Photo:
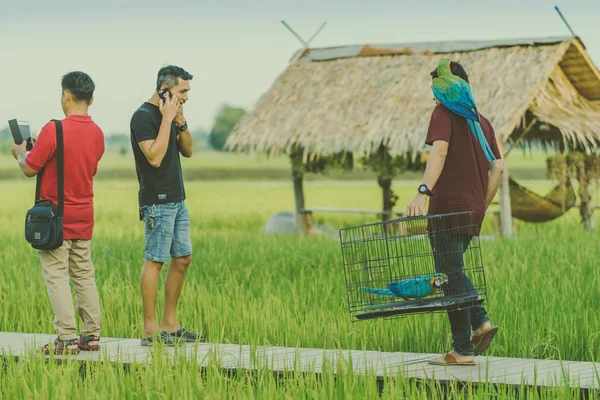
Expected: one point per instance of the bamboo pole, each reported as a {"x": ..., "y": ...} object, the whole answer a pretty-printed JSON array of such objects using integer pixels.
[{"x": 521, "y": 136}]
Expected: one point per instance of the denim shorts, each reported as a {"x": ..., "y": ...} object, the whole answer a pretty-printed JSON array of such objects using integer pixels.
[{"x": 167, "y": 231}]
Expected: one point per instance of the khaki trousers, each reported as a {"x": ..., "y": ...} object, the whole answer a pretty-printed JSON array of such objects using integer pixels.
[{"x": 72, "y": 260}]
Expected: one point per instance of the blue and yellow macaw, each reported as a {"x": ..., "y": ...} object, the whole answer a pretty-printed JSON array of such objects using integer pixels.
[
  {"x": 455, "y": 93},
  {"x": 412, "y": 288}
]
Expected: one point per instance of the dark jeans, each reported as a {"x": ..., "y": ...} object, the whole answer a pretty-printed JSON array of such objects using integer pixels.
[{"x": 448, "y": 251}]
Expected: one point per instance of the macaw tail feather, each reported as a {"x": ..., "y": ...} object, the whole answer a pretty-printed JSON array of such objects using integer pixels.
[
  {"x": 381, "y": 292},
  {"x": 476, "y": 129}
]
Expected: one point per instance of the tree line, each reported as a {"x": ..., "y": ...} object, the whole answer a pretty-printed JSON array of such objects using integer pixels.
[{"x": 225, "y": 120}]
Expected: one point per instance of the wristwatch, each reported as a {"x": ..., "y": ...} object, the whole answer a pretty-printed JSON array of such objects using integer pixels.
[
  {"x": 423, "y": 189},
  {"x": 182, "y": 127}
]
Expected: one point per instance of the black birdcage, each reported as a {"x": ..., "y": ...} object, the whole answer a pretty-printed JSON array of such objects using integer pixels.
[{"x": 398, "y": 259}]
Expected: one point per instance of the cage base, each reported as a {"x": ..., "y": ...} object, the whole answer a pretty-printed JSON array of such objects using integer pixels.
[{"x": 414, "y": 307}]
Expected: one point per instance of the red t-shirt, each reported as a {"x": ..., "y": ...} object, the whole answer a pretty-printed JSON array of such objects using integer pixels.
[
  {"x": 462, "y": 185},
  {"x": 83, "y": 147}
]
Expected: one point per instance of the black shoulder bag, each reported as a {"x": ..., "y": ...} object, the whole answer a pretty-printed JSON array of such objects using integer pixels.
[{"x": 44, "y": 221}]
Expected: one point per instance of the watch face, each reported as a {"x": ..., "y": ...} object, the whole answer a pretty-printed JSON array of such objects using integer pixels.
[{"x": 422, "y": 189}]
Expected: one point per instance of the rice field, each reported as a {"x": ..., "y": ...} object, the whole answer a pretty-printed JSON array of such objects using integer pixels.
[
  {"x": 244, "y": 287},
  {"x": 210, "y": 165}
]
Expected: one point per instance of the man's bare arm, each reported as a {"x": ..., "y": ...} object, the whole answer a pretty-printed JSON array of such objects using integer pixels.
[
  {"x": 155, "y": 149},
  {"x": 27, "y": 170},
  {"x": 19, "y": 152},
  {"x": 435, "y": 163},
  {"x": 496, "y": 168},
  {"x": 184, "y": 138},
  {"x": 184, "y": 143}
]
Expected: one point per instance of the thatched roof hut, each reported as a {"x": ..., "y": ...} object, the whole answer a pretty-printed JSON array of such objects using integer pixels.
[{"x": 357, "y": 98}]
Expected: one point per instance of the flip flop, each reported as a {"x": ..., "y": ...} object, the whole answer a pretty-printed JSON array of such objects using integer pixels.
[
  {"x": 187, "y": 336},
  {"x": 449, "y": 359},
  {"x": 163, "y": 337},
  {"x": 482, "y": 342}
]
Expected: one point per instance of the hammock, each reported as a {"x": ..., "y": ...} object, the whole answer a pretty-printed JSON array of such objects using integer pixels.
[{"x": 531, "y": 207}]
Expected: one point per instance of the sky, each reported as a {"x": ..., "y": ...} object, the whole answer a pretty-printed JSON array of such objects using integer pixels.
[{"x": 234, "y": 48}]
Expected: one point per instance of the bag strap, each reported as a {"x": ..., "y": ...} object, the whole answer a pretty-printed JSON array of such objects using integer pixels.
[
  {"x": 60, "y": 166},
  {"x": 59, "y": 170},
  {"x": 38, "y": 183}
]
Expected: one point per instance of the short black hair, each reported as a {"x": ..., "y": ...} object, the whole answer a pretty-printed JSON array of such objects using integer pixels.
[
  {"x": 79, "y": 84},
  {"x": 170, "y": 76},
  {"x": 456, "y": 69}
]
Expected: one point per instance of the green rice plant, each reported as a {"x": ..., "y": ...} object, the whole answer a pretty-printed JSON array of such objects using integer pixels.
[{"x": 247, "y": 288}]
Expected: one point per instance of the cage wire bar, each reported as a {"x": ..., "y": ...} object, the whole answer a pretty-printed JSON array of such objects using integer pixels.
[{"x": 412, "y": 265}]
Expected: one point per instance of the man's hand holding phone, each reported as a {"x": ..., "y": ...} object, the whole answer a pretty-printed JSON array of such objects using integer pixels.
[
  {"x": 170, "y": 107},
  {"x": 19, "y": 150},
  {"x": 179, "y": 118}
]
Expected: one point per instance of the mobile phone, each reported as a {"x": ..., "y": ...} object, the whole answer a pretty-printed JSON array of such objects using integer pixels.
[
  {"x": 21, "y": 132},
  {"x": 162, "y": 93}
]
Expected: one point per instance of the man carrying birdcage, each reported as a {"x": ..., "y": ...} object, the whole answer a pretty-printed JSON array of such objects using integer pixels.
[{"x": 462, "y": 175}]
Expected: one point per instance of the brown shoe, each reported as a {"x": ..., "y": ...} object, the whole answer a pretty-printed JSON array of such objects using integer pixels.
[
  {"x": 449, "y": 359},
  {"x": 89, "y": 343},
  {"x": 482, "y": 342},
  {"x": 62, "y": 347}
]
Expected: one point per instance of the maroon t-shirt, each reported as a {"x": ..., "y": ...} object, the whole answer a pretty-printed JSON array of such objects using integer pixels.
[{"x": 462, "y": 185}]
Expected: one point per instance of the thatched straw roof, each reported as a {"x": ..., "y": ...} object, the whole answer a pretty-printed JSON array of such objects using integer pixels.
[{"x": 356, "y": 97}]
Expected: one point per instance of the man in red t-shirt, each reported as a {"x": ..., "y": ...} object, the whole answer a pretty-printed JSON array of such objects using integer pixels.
[
  {"x": 83, "y": 147},
  {"x": 459, "y": 178}
]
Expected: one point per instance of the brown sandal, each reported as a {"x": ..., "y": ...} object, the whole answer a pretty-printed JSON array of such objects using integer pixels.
[
  {"x": 482, "y": 342},
  {"x": 89, "y": 343},
  {"x": 449, "y": 359},
  {"x": 62, "y": 347}
]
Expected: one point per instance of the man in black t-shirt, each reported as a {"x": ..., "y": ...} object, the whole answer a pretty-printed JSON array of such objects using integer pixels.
[{"x": 158, "y": 135}]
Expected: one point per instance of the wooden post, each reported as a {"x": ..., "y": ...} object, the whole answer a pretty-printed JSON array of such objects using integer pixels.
[
  {"x": 585, "y": 210},
  {"x": 388, "y": 201},
  {"x": 507, "y": 224},
  {"x": 506, "y": 220},
  {"x": 301, "y": 217},
  {"x": 497, "y": 227},
  {"x": 587, "y": 214}
]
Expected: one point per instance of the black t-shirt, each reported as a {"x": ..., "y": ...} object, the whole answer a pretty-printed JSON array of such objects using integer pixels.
[{"x": 165, "y": 183}]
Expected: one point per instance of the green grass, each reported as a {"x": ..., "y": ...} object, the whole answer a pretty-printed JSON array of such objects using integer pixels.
[{"x": 246, "y": 288}]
